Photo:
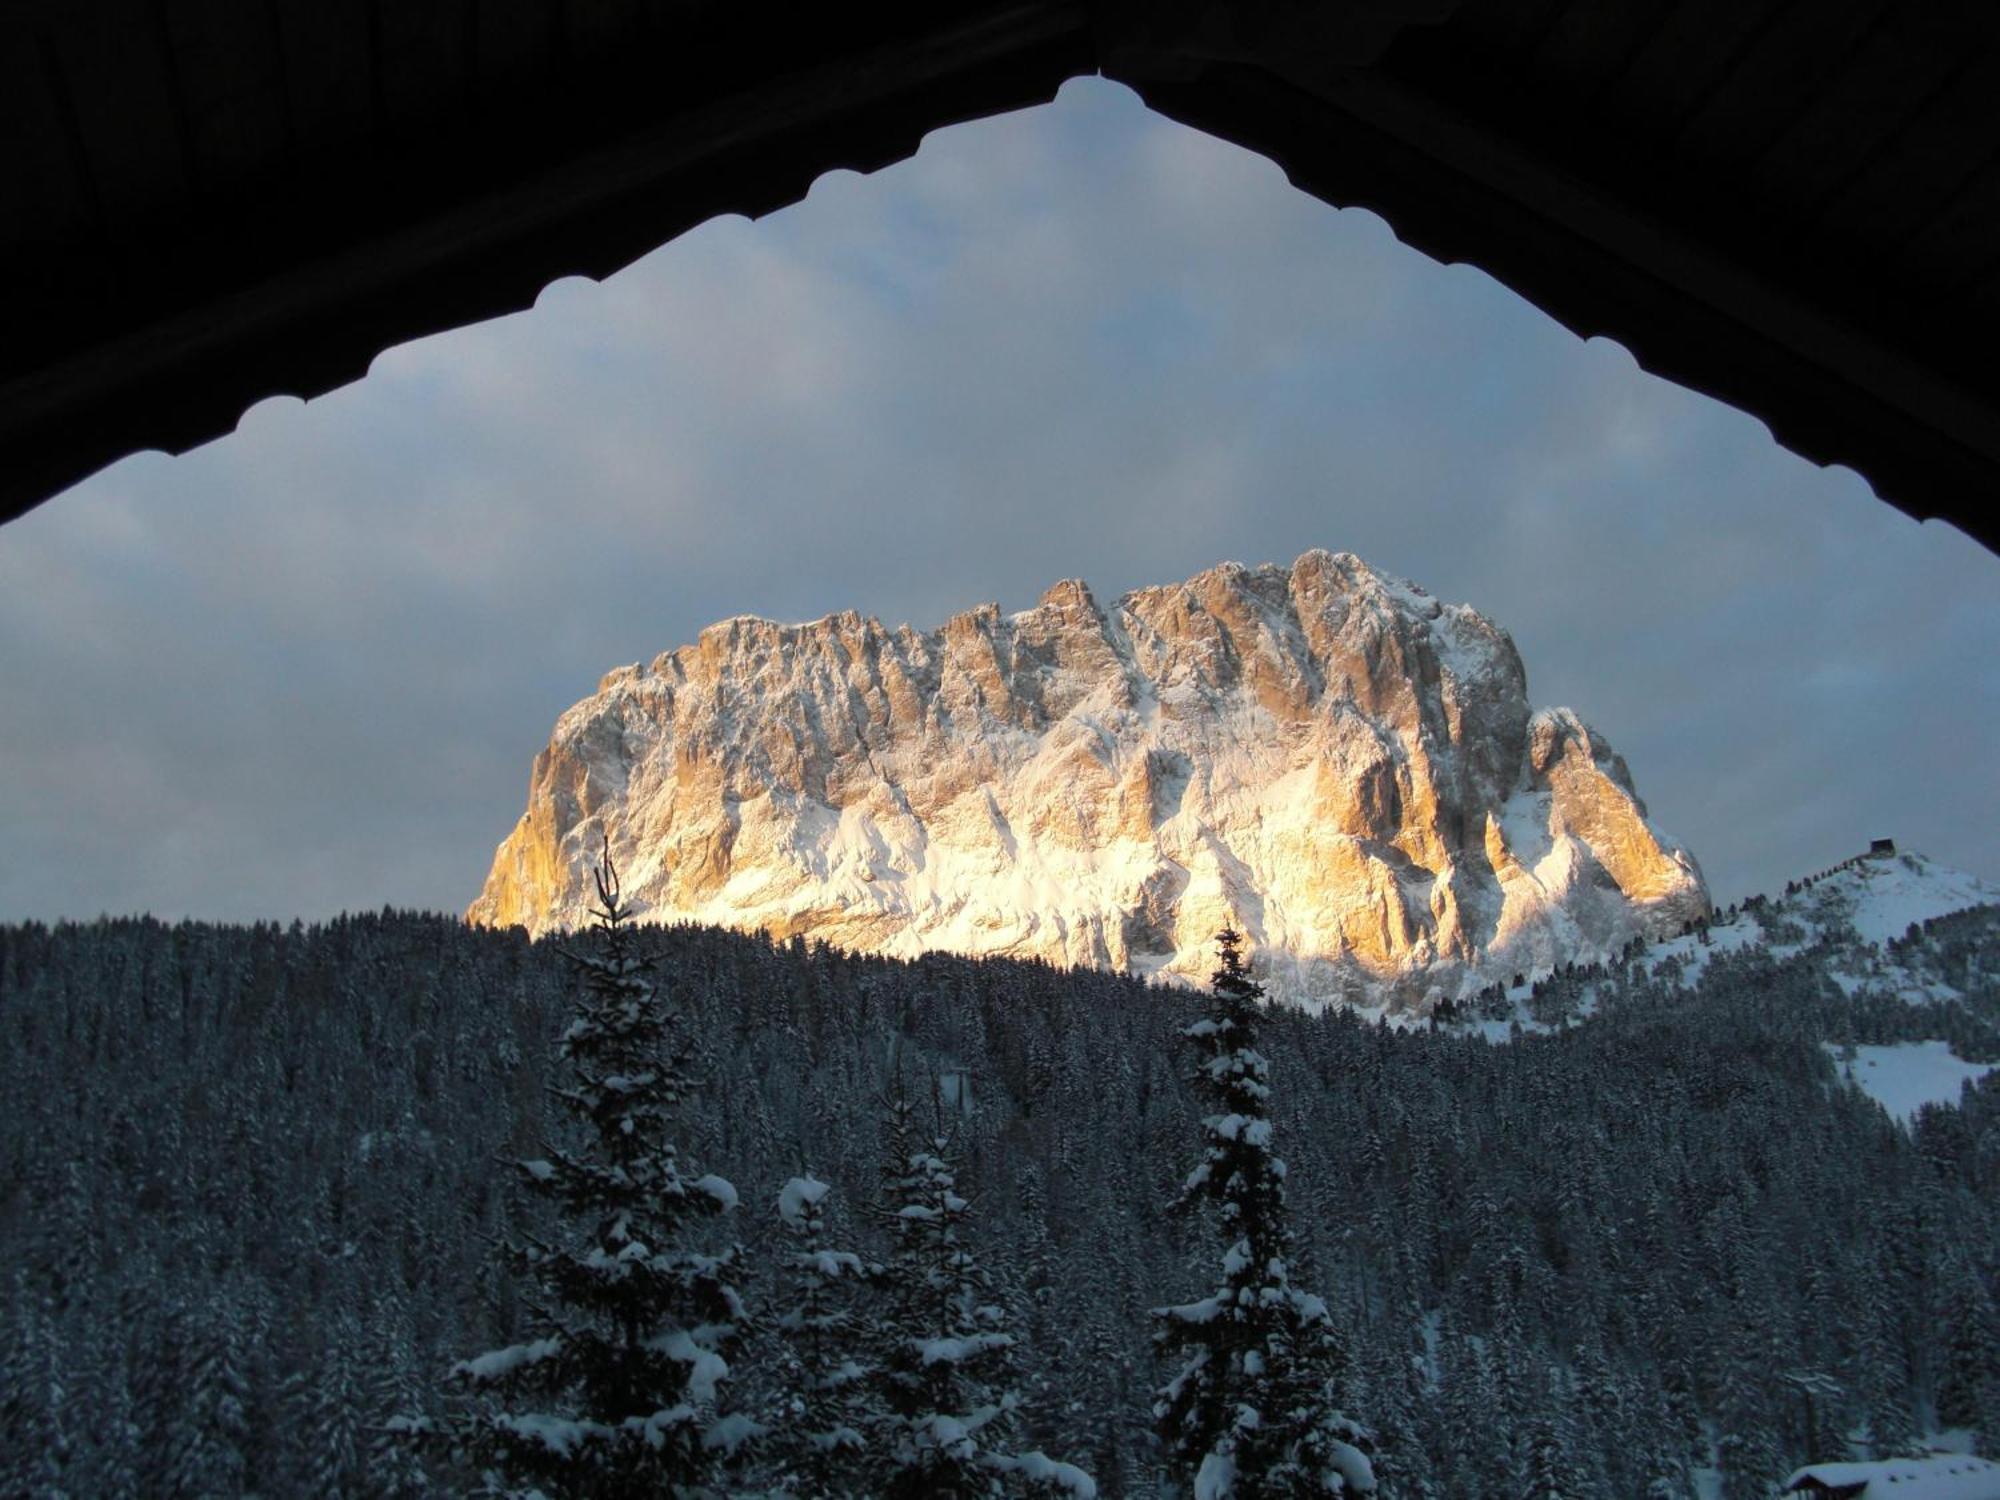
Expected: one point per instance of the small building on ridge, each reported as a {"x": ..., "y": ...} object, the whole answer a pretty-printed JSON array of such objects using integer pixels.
[{"x": 1951, "y": 1476}]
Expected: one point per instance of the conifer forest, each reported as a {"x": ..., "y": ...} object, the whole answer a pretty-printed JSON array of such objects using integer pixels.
[{"x": 394, "y": 1206}]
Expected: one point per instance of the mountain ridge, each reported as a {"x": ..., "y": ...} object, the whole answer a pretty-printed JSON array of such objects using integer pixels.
[
  {"x": 1863, "y": 926},
  {"x": 1325, "y": 756}
]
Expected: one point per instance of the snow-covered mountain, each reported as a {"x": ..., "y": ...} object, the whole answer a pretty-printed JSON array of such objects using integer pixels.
[
  {"x": 1880, "y": 925},
  {"x": 1902, "y": 953},
  {"x": 1328, "y": 758},
  {"x": 1854, "y": 917}
]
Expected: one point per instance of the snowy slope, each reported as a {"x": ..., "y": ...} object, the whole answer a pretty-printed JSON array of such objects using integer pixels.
[
  {"x": 1851, "y": 925},
  {"x": 1877, "y": 897},
  {"x": 1856, "y": 909},
  {"x": 1905, "y": 1077}
]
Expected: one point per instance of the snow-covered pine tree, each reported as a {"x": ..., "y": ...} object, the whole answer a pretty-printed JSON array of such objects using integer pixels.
[
  {"x": 942, "y": 1360},
  {"x": 1968, "y": 1376},
  {"x": 1250, "y": 1414},
  {"x": 392, "y": 1402},
  {"x": 196, "y": 1438},
  {"x": 817, "y": 1443},
  {"x": 322, "y": 1405},
  {"x": 34, "y": 1404},
  {"x": 632, "y": 1317},
  {"x": 1547, "y": 1463},
  {"x": 1550, "y": 1460}
]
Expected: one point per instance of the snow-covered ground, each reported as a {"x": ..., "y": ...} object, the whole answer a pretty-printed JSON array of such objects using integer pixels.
[
  {"x": 1882, "y": 897},
  {"x": 1696, "y": 950},
  {"x": 1906, "y": 1077}
]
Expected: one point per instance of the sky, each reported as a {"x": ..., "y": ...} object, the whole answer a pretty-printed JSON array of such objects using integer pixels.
[{"x": 305, "y": 668}]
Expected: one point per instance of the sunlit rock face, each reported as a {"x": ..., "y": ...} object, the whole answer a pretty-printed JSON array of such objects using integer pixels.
[{"x": 1329, "y": 759}]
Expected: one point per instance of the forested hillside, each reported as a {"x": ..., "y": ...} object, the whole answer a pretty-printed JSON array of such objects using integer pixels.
[{"x": 252, "y": 1181}]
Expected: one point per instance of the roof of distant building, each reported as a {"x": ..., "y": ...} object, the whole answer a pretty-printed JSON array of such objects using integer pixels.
[{"x": 1948, "y": 1477}]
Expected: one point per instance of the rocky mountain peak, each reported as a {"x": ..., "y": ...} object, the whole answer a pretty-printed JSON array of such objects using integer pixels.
[{"x": 1331, "y": 759}]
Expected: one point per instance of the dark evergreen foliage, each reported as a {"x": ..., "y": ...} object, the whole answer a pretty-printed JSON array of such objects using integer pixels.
[
  {"x": 817, "y": 1444},
  {"x": 943, "y": 1372},
  {"x": 1250, "y": 1411},
  {"x": 942, "y": 1349},
  {"x": 269, "y": 1153},
  {"x": 630, "y": 1315}
]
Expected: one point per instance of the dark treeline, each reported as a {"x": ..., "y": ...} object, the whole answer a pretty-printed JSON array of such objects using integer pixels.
[{"x": 251, "y": 1186}]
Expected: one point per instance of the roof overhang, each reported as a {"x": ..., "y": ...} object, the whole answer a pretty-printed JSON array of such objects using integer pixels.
[{"x": 1794, "y": 209}]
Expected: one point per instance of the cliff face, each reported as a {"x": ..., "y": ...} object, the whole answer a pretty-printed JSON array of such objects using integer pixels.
[{"x": 1331, "y": 760}]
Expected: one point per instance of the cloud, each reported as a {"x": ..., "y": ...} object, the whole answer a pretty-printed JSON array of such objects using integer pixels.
[{"x": 306, "y": 667}]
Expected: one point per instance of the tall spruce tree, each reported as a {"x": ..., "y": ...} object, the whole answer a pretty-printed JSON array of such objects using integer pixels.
[
  {"x": 632, "y": 1316},
  {"x": 817, "y": 1446},
  {"x": 1251, "y": 1413},
  {"x": 1968, "y": 1375},
  {"x": 943, "y": 1366}
]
